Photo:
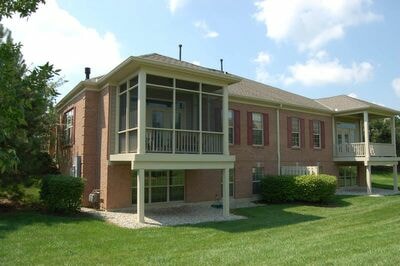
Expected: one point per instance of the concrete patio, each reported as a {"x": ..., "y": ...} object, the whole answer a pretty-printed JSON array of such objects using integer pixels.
[
  {"x": 170, "y": 214},
  {"x": 362, "y": 191}
]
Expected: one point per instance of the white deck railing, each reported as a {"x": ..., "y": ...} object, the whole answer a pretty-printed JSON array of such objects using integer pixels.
[
  {"x": 160, "y": 140},
  {"x": 358, "y": 150},
  {"x": 299, "y": 170},
  {"x": 212, "y": 143}
]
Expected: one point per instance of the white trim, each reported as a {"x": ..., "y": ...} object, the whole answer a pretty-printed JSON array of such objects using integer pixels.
[
  {"x": 366, "y": 136},
  {"x": 225, "y": 192},
  {"x": 141, "y": 141},
  {"x": 278, "y": 140}
]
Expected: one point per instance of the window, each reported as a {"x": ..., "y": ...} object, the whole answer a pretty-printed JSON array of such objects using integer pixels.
[
  {"x": 68, "y": 121},
  {"x": 128, "y": 115},
  {"x": 295, "y": 132},
  {"x": 160, "y": 186},
  {"x": 347, "y": 176},
  {"x": 316, "y": 134},
  {"x": 258, "y": 133},
  {"x": 257, "y": 174},
  {"x": 231, "y": 183},
  {"x": 231, "y": 126}
]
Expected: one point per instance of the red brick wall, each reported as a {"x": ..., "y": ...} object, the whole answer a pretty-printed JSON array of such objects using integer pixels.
[{"x": 202, "y": 185}]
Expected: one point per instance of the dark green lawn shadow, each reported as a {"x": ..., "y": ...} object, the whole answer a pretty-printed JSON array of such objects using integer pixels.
[
  {"x": 270, "y": 216},
  {"x": 14, "y": 220}
]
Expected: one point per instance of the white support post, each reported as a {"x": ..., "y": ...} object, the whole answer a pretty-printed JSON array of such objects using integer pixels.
[
  {"x": 366, "y": 137},
  {"x": 395, "y": 179},
  {"x": 278, "y": 140},
  {"x": 140, "y": 195},
  {"x": 394, "y": 135},
  {"x": 225, "y": 191},
  {"x": 141, "y": 113},
  {"x": 334, "y": 136},
  {"x": 369, "y": 183},
  {"x": 225, "y": 122}
]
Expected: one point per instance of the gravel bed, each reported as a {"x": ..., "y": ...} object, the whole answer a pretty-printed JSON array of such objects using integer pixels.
[
  {"x": 164, "y": 216},
  {"x": 360, "y": 191}
]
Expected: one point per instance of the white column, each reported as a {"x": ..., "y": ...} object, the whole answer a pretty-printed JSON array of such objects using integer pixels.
[
  {"x": 334, "y": 136},
  {"x": 278, "y": 140},
  {"x": 225, "y": 191},
  {"x": 368, "y": 175},
  {"x": 142, "y": 113},
  {"x": 366, "y": 136},
  {"x": 395, "y": 179},
  {"x": 225, "y": 122},
  {"x": 140, "y": 195},
  {"x": 394, "y": 135}
]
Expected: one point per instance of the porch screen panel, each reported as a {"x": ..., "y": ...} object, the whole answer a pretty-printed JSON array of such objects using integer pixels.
[{"x": 212, "y": 113}]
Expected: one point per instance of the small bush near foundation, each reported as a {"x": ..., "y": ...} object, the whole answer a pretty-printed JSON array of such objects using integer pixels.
[
  {"x": 61, "y": 194},
  {"x": 306, "y": 188}
]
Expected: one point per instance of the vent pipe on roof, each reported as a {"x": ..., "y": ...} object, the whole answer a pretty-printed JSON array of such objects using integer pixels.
[
  {"x": 180, "y": 52},
  {"x": 87, "y": 72},
  {"x": 222, "y": 64}
]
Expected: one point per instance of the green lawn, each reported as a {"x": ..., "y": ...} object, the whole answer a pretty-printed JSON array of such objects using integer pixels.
[
  {"x": 382, "y": 179},
  {"x": 359, "y": 230}
]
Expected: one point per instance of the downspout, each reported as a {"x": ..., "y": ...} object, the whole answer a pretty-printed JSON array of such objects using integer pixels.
[{"x": 278, "y": 138}]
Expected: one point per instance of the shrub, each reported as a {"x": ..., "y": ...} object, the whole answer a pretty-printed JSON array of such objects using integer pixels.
[
  {"x": 307, "y": 188},
  {"x": 315, "y": 188},
  {"x": 61, "y": 194}
]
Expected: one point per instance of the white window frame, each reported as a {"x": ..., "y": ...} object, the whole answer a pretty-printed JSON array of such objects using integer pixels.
[
  {"x": 68, "y": 118},
  {"x": 231, "y": 126},
  {"x": 255, "y": 176},
  {"x": 256, "y": 129},
  {"x": 127, "y": 129},
  {"x": 294, "y": 133},
  {"x": 316, "y": 126}
]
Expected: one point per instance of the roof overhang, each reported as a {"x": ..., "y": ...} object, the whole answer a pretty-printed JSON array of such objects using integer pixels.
[{"x": 132, "y": 64}]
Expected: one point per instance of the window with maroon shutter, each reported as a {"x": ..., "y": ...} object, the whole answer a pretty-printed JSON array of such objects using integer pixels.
[
  {"x": 289, "y": 132},
  {"x": 302, "y": 134},
  {"x": 236, "y": 125},
  {"x": 266, "y": 129}
]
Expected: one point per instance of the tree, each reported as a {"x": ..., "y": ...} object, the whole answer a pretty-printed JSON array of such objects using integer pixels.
[
  {"x": 27, "y": 98},
  {"x": 23, "y": 7},
  {"x": 381, "y": 131}
]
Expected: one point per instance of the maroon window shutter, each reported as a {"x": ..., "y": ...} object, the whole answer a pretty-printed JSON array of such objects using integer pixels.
[
  {"x": 249, "y": 128},
  {"x": 266, "y": 129},
  {"x": 289, "y": 132},
  {"x": 302, "y": 130},
  {"x": 322, "y": 134},
  {"x": 236, "y": 127},
  {"x": 311, "y": 128}
]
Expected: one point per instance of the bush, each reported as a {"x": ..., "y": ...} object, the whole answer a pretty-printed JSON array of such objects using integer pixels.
[
  {"x": 61, "y": 194},
  {"x": 306, "y": 188}
]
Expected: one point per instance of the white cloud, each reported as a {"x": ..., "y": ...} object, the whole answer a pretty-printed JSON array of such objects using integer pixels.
[
  {"x": 206, "y": 31},
  {"x": 262, "y": 74},
  {"x": 263, "y": 58},
  {"x": 396, "y": 86},
  {"x": 312, "y": 23},
  {"x": 326, "y": 71},
  {"x": 197, "y": 63},
  {"x": 52, "y": 34},
  {"x": 353, "y": 95},
  {"x": 173, "y": 5}
]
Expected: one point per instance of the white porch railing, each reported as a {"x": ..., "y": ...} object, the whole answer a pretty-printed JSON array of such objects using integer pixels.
[
  {"x": 160, "y": 140},
  {"x": 299, "y": 170},
  {"x": 212, "y": 143},
  {"x": 358, "y": 150},
  {"x": 187, "y": 142}
]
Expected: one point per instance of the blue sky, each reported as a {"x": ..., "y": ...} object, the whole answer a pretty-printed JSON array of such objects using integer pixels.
[{"x": 310, "y": 47}]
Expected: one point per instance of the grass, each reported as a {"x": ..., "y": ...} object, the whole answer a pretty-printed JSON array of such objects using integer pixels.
[
  {"x": 354, "y": 231},
  {"x": 359, "y": 230},
  {"x": 382, "y": 179}
]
